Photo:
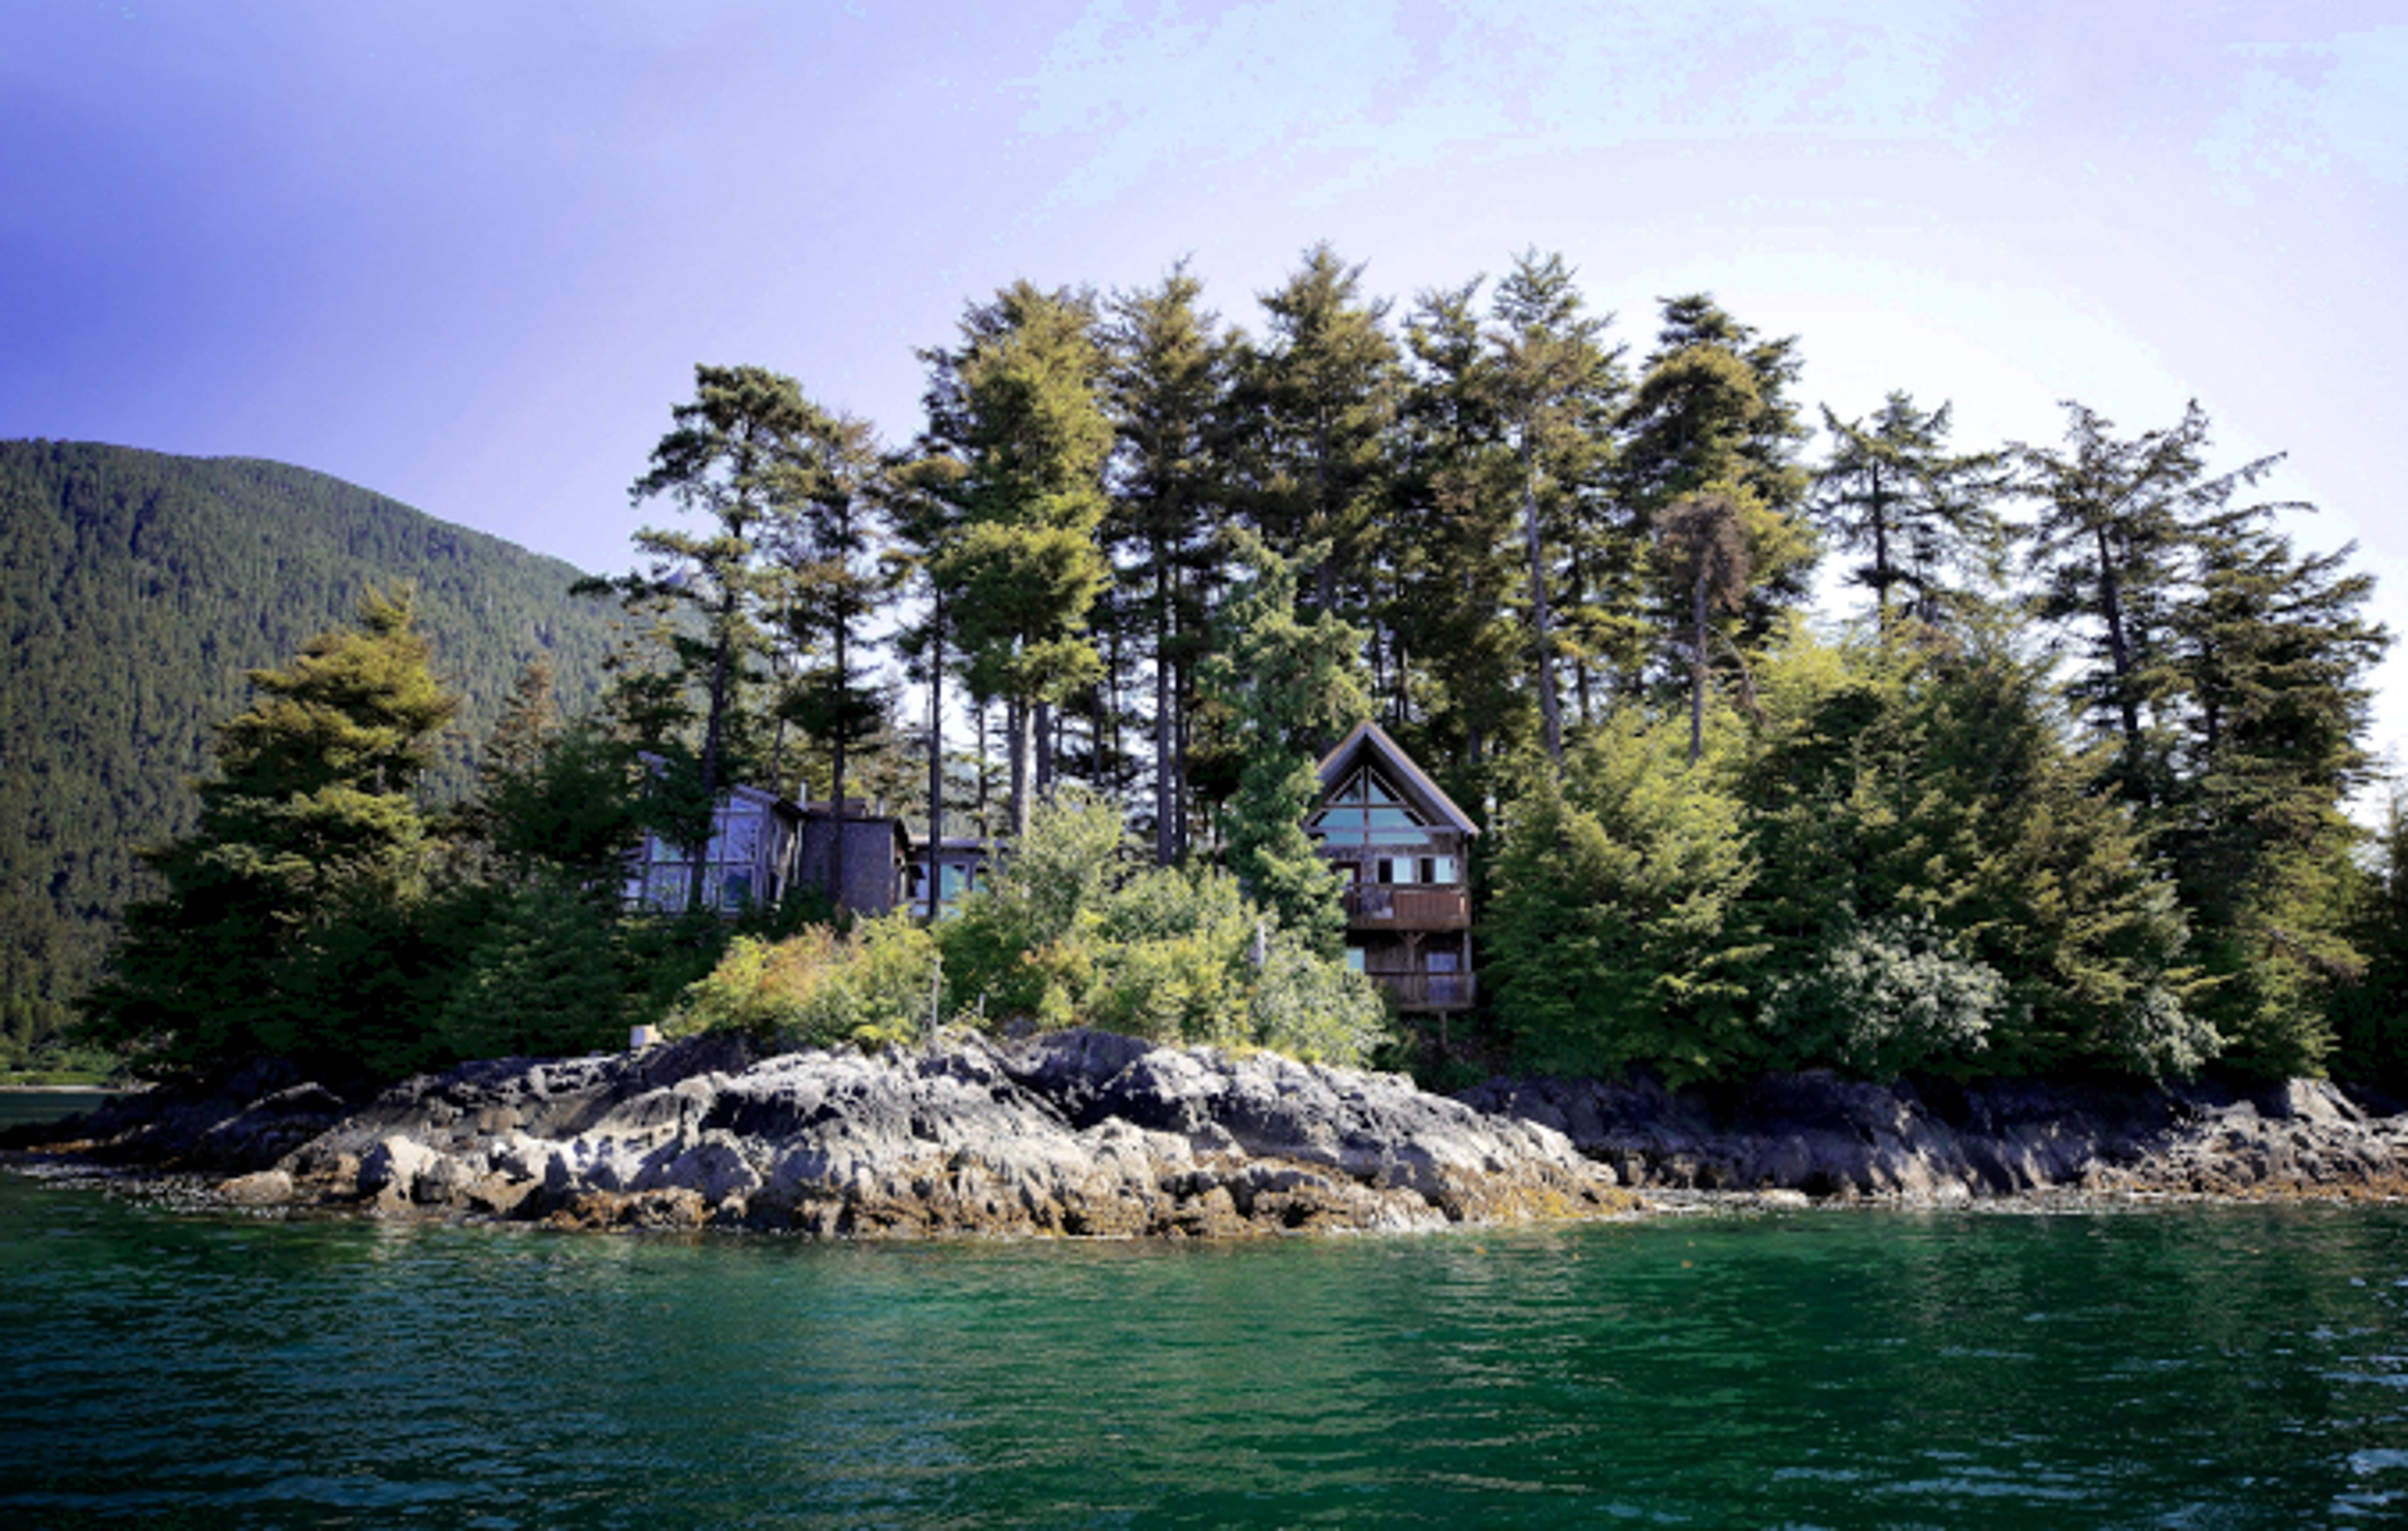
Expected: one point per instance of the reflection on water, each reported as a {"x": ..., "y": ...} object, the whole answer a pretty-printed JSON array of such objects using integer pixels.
[
  {"x": 2225, "y": 1367},
  {"x": 18, "y": 1106}
]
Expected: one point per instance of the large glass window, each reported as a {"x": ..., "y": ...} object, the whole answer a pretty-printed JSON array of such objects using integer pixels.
[{"x": 1367, "y": 812}]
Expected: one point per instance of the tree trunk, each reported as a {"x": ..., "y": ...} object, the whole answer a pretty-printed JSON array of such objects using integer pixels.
[
  {"x": 713, "y": 724},
  {"x": 1881, "y": 559},
  {"x": 936, "y": 753},
  {"x": 835, "y": 794},
  {"x": 1551, "y": 716},
  {"x": 1697, "y": 671},
  {"x": 1045, "y": 729},
  {"x": 1019, "y": 735},
  {"x": 1165, "y": 838},
  {"x": 1184, "y": 796},
  {"x": 2119, "y": 650}
]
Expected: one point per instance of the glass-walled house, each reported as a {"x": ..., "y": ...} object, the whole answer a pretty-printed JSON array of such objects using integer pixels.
[
  {"x": 764, "y": 847},
  {"x": 749, "y": 860},
  {"x": 1400, "y": 843}
]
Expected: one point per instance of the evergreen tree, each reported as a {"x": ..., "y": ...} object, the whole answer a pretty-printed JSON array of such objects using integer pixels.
[
  {"x": 1918, "y": 512},
  {"x": 311, "y": 853},
  {"x": 1701, "y": 541},
  {"x": 1313, "y": 404},
  {"x": 1288, "y": 686},
  {"x": 1557, "y": 383},
  {"x": 1166, "y": 381},
  {"x": 1611, "y": 937},
  {"x": 1016, "y": 407},
  {"x": 541, "y": 976},
  {"x": 923, "y": 510},
  {"x": 2108, "y": 548},
  {"x": 2371, "y": 1012},
  {"x": 1712, "y": 414},
  {"x": 1917, "y": 820},
  {"x": 733, "y": 454},
  {"x": 823, "y": 546},
  {"x": 570, "y": 810},
  {"x": 2270, "y": 653},
  {"x": 1457, "y": 653}
]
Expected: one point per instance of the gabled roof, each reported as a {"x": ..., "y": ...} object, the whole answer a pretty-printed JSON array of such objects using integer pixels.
[{"x": 1371, "y": 742}]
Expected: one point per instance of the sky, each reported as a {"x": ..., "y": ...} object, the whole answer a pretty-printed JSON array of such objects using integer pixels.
[{"x": 467, "y": 255}]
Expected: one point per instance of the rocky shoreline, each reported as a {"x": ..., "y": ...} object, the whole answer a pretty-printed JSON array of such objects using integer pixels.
[
  {"x": 1072, "y": 1133},
  {"x": 1084, "y": 1132},
  {"x": 1936, "y": 1142}
]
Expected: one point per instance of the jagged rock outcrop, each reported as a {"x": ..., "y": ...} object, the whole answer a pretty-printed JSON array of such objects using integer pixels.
[
  {"x": 1939, "y": 1141},
  {"x": 1084, "y": 1132},
  {"x": 1081, "y": 1133}
]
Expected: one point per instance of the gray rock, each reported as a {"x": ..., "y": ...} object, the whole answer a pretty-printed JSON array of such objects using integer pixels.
[
  {"x": 1072, "y": 1132},
  {"x": 1942, "y": 1142},
  {"x": 261, "y": 1188}
]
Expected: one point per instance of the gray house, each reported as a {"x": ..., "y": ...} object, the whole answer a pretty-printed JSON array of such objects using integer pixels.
[
  {"x": 750, "y": 860},
  {"x": 876, "y": 855},
  {"x": 764, "y": 847}
]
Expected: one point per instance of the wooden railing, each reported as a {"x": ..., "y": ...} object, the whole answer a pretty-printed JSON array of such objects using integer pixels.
[
  {"x": 1408, "y": 909},
  {"x": 1429, "y": 991}
]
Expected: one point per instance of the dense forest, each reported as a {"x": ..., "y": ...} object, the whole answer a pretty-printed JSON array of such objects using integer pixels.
[
  {"x": 137, "y": 590},
  {"x": 2059, "y": 790}
]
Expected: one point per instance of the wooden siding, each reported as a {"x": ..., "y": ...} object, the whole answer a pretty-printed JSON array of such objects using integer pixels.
[
  {"x": 1386, "y": 907},
  {"x": 1428, "y": 991}
]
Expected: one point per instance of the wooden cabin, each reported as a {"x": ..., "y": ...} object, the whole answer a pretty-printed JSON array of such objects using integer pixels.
[{"x": 1401, "y": 845}]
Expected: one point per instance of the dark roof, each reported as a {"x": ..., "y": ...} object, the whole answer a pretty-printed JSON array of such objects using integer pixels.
[{"x": 1372, "y": 740}]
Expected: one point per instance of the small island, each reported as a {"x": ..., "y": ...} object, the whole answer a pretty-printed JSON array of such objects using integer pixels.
[{"x": 1446, "y": 814}]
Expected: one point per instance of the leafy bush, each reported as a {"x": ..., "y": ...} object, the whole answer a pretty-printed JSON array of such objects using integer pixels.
[
  {"x": 1071, "y": 932},
  {"x": 1888, "y": 995},
  {"x": 1173, "y": 950},
  {"x": 1315, "y": 1009},
  {"x": 816, "y": 987}
]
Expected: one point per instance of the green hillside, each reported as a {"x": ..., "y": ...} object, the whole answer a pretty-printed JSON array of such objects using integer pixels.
[{"x": 135, "y": 589}]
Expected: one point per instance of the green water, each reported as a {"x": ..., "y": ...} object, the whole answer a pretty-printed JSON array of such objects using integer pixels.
[
  {"x": 18, "y": 1106},
  {"x": 2194, "y": 1366}
]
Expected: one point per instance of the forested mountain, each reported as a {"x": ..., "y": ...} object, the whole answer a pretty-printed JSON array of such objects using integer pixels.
[{"x": 136, "y": 590}]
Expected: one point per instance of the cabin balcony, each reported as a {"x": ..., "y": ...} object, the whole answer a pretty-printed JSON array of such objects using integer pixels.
[
  {"x": 1384, "y": 907},
  {"x": 1413, "y": 991}
]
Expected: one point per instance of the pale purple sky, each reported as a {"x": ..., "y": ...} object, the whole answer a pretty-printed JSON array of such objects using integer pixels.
[{"x": 469, "y": 255}]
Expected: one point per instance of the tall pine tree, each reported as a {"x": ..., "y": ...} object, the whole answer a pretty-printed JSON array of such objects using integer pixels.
[{"x": 1016, "y": 406}]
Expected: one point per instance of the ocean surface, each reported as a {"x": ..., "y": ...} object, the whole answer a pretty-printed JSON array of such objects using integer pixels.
[
  {"x": 18, "y": 1106},
  {"x": 2188, "y": 1366}
]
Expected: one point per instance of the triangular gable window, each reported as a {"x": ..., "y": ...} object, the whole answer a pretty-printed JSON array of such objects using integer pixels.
[{"x": 1365, "y": 810}]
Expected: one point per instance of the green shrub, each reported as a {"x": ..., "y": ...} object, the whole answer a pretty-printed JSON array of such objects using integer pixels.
[
  {"x": 545, "y": 978},
  {"x": 1888, "y": 995},
  {"x": 816, "y": 989},
  {"x": 1071, "y": 932},
  {"x": 1311, "y": 1007}
]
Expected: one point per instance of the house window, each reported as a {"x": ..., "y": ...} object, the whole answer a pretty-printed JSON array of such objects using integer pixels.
[
  {"x": 1441, "y": 962},
  {"x": 1367, "y": 813},
  {"x": 1354, "y": 958}
]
